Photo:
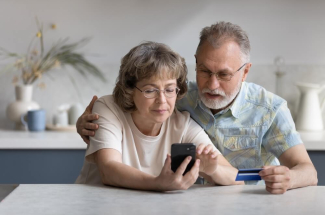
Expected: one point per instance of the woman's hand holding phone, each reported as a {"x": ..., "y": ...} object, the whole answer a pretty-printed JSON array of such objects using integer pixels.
[
  {"x": 169, "y": 180},
  {"x": 208, "y": 158}
]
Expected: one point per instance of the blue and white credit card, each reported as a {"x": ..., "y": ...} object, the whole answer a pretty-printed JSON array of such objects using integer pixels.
[{"x": 248, "y": 175}]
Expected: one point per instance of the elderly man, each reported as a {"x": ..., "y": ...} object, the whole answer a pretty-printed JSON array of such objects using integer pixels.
[{"x": 252, "y": 127}]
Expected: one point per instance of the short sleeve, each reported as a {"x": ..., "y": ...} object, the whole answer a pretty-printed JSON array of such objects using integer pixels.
[
  {"x": 109, "y": 133},
  {"x": 282, "y": 133},
  {"x": 196, "y": 134}
]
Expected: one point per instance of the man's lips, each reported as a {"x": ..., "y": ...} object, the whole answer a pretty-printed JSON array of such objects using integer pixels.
[{"x": 212, "y": 96}]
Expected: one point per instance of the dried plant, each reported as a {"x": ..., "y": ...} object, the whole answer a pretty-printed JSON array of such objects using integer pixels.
[{"x": 35, "y": 63}]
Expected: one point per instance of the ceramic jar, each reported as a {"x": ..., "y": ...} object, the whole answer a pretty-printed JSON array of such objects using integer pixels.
[
  {"x": 22, "y": 104},
  {"x": 74, "y": 113}
]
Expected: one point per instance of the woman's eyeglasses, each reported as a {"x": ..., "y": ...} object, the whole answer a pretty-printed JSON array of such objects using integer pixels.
[{"x": 154, "y": 92}]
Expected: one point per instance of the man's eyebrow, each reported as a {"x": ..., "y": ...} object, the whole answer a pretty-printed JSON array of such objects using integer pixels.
[{"x": 204, "y": 67}]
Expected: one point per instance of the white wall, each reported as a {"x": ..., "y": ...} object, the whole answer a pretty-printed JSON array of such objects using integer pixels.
[{"x": 293, "y": 29}]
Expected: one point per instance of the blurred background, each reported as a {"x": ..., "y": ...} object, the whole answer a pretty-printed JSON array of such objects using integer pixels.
[{"x": 290, "y": 29}]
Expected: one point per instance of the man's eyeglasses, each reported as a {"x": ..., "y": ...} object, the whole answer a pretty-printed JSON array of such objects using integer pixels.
[
  {"x": 154, "y": 92},
  {"x": 223, "y": 76}
]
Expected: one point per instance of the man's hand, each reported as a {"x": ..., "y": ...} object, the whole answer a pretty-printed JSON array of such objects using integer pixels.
[
  {"x": 208, "y": 158},
  {"x": 85, "y": 127},
  {"x": 277, "y": 178}
]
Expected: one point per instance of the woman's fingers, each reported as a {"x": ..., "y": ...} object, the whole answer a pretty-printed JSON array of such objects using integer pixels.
[
  {"x": 208, "y": 149},
  {"x": 214, "y": 154},
  {"x": 191, "y": 176},
  {"x": 200, "y": 148},
  {"x": 167, "y": 164},
  {"x": 181, "y": 169}
]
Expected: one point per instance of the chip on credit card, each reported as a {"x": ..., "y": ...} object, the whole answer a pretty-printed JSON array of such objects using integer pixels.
[{"x": 248, "y": 175}]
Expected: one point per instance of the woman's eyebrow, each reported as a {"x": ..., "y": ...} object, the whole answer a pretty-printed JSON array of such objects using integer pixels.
[{"x": 156, "y": 86}]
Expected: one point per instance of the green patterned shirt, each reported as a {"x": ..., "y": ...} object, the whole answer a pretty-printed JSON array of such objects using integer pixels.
[{"x": 254, "y": 131}]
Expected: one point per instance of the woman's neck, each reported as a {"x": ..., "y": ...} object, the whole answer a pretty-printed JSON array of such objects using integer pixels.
[{"x": 145, "y": 127}]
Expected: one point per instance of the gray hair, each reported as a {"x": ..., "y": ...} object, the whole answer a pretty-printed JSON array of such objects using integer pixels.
[
  {"x": 147, "y": 60},
  {"x": 222, "y": 32}
]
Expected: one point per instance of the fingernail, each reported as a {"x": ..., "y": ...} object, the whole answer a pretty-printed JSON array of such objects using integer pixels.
[{"x": 189, "y": 158}]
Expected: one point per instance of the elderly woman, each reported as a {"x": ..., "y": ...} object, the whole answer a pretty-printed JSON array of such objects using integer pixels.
[{"x": 139, "y": 123}]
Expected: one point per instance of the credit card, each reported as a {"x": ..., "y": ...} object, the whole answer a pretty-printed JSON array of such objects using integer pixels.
[{"x": 248, "y": 175}]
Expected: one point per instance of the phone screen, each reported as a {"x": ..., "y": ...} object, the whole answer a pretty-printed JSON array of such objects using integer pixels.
[{"x": 179, "y": 152}]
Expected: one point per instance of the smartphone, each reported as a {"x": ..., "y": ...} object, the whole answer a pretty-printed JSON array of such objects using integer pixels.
[{"x": 179, "y": 152}]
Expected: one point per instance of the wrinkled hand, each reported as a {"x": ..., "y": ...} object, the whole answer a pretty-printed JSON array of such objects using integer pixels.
[
  {"x": 277, "y": 178},
  {"x": 85, "y": 127},
  {"x": 208, "y": 158},
  {"x": 168, "y": 180}
]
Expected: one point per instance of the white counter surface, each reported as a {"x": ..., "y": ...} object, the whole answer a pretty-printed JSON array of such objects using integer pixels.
[
  {"x": 34, "y": 199},
  {"x": 314, "y": 141},
  {"x": 40, "y": 140}
]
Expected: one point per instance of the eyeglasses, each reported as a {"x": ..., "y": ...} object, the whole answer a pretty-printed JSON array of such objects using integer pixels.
[
  {"x": 154, "y": 92},
  {"x": 223, "y": 76}
]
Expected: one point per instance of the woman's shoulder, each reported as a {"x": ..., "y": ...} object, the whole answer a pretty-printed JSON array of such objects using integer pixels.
[
  {"x": 179, "y": 118},
  {"x": 106, "y": 103}
]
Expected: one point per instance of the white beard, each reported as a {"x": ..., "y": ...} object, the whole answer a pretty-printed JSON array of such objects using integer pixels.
[{"x": 219, "y": 103}]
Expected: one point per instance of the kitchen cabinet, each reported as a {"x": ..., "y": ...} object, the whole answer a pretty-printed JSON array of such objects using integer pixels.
[
  {"x": 41, "y": 157},
  {"x": 57, "y": 157}
]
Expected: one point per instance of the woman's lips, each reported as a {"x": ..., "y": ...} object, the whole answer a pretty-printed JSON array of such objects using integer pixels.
[{"x": 160, "y": 111}]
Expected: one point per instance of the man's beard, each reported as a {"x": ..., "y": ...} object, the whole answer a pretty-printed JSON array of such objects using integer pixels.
[{"x": 219, "y": 103}]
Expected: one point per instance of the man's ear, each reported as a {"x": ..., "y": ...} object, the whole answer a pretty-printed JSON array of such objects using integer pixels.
[{"x": 246, "y": 71}]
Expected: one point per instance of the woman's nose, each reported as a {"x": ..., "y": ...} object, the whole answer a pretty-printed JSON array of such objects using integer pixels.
[{"x": 161, "y": 96}]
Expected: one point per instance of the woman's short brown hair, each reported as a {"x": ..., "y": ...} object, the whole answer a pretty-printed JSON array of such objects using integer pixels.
[{"x": 147, "y": 60}]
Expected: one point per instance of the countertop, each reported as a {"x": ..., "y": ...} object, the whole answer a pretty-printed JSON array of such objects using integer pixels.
[
  {"x": 314, "y": 141},
  {"x": 86, "y": 199},
  {"x": 40, "y": 140}
]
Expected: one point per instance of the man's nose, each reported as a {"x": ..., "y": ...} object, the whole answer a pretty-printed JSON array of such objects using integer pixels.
[{"x": 213, "y": 82}]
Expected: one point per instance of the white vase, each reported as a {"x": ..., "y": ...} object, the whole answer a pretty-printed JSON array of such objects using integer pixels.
[
  {"x": 74, "y": 113},
  {"x": 22, "y": 104}
]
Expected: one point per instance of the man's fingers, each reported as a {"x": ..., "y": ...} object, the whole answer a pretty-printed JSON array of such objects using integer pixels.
[
  {"x": 90, "y": 117},
  {"x": 86, "y": 132},
  {"x": 91, "y": 126},
  {"x": 274, "y": 185},
  {"x": 85, "y": 139},
  {"x": 91, "y": 104},
  {"x": 278, "y": 170},
  {"x": 276, "y": 178},
  {"x": 275, "y": 191}
]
